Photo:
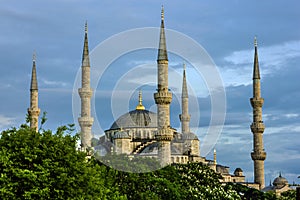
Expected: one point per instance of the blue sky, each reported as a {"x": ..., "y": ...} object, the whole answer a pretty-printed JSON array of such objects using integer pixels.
[{"x": 54, "y": 29}]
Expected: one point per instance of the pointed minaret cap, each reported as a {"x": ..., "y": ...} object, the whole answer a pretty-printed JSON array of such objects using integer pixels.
[
  {"x": 162, "y": 50},
  {"x": 34, "y": 84},
  {"x": 86, "y": 27},
  {"x": 85, "y": 54},
  {"x": 184, "y": 85},
  {"x": 140, "y": 105},
  {"x": 162, "y": 13},
  {"x": 256, "y": 74}
]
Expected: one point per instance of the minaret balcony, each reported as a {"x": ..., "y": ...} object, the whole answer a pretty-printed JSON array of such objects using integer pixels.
[
  {"x": 184, "y": 118},
  {"x": 257, "y": 127},
  {"x": 258, "y": 155},
  {"x": 85, "y": 92},
  {"x": 34, "y": 111},
  {"x": 85, "y": 121},
  {"x": 257, "y": 102},
  {"x": 164, "y": 134},
  {"x": 163, "y": 97},
  {"x": 162, "y": 61}
]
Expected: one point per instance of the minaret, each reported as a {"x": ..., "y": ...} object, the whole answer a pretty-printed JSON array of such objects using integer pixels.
[
  {"x": 163, "y": 99},
  {"x": 185, "y": 116},
  {"x": 215, "y": 156},
  {"x": 257, "y": 127},
  {"x": 33, "y": 110},
  {"x": 85, "y": 93}
]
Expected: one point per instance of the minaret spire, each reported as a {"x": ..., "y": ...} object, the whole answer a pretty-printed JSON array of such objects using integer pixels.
[
  {"x": 257, "y": 127},
  {"x": 185, "y": 116},
  {"x": 33, "y": 110},
  {"x": 256, "y": 74},
  {"x": 85, "y": 93},
  {"x": 163, "y": 99},
  {"x": 162, "y": 50}
]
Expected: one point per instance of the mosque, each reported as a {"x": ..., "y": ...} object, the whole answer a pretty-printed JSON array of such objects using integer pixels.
[{"x": 141, "y": 132}]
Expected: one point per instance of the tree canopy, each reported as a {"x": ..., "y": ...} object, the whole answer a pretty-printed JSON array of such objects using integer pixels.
[{"x": 47, "y": 165}]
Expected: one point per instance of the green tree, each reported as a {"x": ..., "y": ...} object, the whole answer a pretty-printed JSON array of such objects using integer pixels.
[
  {"x": 290, "y": 194},
  {"x": 46, "y": 165},
  {"x": 178, "y": 181}
]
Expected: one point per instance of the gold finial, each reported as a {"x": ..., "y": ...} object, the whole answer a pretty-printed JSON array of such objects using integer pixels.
[
  {"x": 162, "y": 12},
  {"x": 255, "y": 41},
  {"x": 34, "y": 56},
  {"x": 140, "y": 105},
  {"x": 184, "y": 66},
  {"x": 86, "y": 27}
]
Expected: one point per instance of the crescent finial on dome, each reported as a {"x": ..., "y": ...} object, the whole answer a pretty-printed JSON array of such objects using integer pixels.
[{"x": 140, "y": 105}]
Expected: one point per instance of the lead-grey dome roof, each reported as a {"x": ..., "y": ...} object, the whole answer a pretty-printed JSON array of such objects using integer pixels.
[
  {"x": 136, "y": 118},
  {"x": 280, "y": 181}
]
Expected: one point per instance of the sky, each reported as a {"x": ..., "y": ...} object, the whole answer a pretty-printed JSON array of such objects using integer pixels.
[{"x": 219, "y": 37}]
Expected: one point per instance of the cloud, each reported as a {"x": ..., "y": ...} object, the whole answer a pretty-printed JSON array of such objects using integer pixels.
[
  {"x": 58, "y": 84},
  {"x": 237, "y": 68},
  {"x": 6, "y": 121}
]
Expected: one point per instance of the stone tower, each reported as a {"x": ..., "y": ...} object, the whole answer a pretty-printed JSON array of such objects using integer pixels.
[
  {"x": 185, "y": 116},
  {"x": 163, "y": 99},
  {"x": 85, "y": 93},
  {"x": 257, "y": 127},
  {"x": 33, "y": 110}
]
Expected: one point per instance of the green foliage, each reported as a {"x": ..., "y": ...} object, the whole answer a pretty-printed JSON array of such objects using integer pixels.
[
  {"x": 46, "y": 165},
  {"x": 179, "y": 181},
  {"x": 247, "y": 193},
  {"x": 135, "y": 164},
  {"x": 290, "y": 194}
]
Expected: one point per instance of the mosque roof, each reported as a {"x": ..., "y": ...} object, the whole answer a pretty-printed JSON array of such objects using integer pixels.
[
  {"x": 136, "y": 118},
  {"x": 121, "y": 135},
  {"x": 280, "y": 181}
]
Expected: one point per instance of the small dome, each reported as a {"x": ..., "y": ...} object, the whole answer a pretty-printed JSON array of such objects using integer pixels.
[
  {"x": 121, "y": 135},
  {"x": 136, "y": 118},
  {"x": 238, "y": 172},
  {"x": 280, "y": 181}
]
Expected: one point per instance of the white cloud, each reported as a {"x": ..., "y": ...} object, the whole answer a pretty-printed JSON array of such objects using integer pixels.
[
  {"x": 6, "y": 121},
  {"x": 291, "y": 115},
  {"x": 54, "y": 83},
  {"x": 271, "y": 56},
  {"x": 238, "y": 67}
]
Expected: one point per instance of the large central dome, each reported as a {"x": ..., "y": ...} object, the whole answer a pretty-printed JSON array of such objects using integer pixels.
[
  {"x": 136, "y": 118},
  {"x": 140, "y": 117}
]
